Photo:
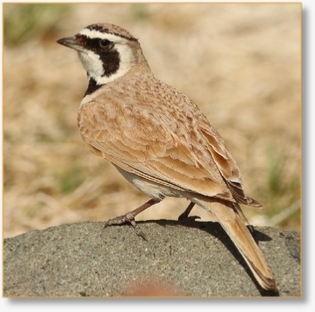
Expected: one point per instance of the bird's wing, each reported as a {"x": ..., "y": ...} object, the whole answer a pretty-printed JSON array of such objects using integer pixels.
[
  {"x": 171, "y": 144},
  {"x": 226, "y": 164}
]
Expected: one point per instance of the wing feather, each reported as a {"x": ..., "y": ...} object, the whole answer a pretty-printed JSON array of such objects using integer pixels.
[{"x": 174, "y": 146}]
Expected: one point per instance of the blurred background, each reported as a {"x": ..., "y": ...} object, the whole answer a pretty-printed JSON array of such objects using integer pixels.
[{"x": 241, "y": 64}]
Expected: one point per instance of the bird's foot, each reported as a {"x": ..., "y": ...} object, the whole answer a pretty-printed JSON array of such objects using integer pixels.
[
  {"x": 185, "y": 215},
  {"x": 130, "y": 218},
  {"x": 127, "y": 218},
  {"x": 184, "y": 218}
]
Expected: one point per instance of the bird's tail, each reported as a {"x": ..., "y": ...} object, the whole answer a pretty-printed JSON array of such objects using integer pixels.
[{"x": 229, "y": 217}]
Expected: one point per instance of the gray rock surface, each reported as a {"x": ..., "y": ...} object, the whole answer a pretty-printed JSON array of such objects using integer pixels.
[{"x": 179, "y": 259}]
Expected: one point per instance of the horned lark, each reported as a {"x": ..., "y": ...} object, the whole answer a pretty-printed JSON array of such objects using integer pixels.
[{"x": 158, "y": 139}]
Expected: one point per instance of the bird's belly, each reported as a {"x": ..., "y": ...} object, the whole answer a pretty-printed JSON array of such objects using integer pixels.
[{"x": 154, "y": 190}]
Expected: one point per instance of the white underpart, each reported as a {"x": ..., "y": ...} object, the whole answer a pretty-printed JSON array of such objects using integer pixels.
[
  {"x": 152, "y": 189},
  {"x": 93, "y": 64}
]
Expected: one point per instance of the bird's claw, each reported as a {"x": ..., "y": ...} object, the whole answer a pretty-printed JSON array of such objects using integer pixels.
[
  {"x": 183, "y": 218},
  {"x": 127, "y": 218}
]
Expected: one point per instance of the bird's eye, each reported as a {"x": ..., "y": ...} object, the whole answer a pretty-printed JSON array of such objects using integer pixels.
[{"x": 105, "y": 43}]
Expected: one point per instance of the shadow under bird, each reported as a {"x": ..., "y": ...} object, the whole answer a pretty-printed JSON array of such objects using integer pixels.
[{"x": 158, "y": 139}]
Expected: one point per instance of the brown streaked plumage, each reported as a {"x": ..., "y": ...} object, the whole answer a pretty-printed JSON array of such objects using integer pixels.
[{"x": 158, "y": 138}]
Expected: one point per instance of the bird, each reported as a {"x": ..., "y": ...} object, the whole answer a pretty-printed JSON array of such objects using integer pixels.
[{"x": 158, "y": 139}]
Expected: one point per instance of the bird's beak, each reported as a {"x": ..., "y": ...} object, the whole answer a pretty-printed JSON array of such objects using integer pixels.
[{"x": 71, "y": 42}]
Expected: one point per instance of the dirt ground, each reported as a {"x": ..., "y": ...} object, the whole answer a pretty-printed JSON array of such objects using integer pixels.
[{"x": 241, "y": 63}]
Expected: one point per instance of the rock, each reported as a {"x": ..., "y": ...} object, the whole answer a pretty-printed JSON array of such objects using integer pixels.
[{"x": 179, "y": 259}]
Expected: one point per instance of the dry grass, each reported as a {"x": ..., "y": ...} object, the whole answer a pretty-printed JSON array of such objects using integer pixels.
[{"x": 239, "y": 62}]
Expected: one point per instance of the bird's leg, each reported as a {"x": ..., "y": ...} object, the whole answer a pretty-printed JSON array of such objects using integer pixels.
[
  {"x": 185, "y": 214},
  {"x": 130, "y": 218}
]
